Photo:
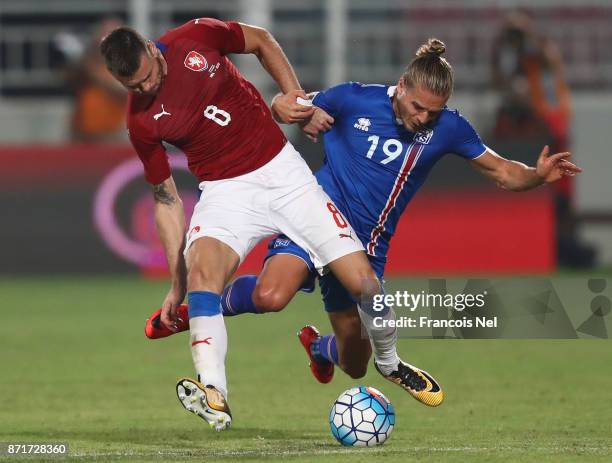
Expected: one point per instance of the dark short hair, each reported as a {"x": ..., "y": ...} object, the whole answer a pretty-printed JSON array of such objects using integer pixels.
[{"x": 122, "y": 49}]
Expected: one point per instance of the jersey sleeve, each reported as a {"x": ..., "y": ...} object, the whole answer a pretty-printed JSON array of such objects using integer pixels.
[
  {"x": 466, "y": 141},
  {"x": 152, "y": 154},
  {"x": 227, "y": 37},
  {"x": 333, "y": 100}
]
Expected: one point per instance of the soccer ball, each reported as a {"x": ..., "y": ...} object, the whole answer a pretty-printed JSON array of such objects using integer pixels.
[{"x": 362, "y": 416}]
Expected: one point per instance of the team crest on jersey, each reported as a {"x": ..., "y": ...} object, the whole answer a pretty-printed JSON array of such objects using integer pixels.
[
  {"x": 363, "y": 123},
  {"x": 423, "y": 136},
  {"x": 195, "y": 61}
]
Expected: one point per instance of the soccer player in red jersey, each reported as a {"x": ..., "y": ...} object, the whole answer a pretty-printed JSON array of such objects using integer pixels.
[{"x": 186, "y": 92}]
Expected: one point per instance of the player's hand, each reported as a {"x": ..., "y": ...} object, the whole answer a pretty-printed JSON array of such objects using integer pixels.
[
  {"x": 169, "y": 316},
  {"x": 319, "y": 122},
  {"x": 552, "y": 167},
  {"x": 287, "y": 110}
]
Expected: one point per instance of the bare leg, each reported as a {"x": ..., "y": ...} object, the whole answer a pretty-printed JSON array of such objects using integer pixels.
[
  {"x": 354, "y": 351},
  {"x": 281, "y": 278},
  {"x": 210, "y": 264},
  {"x": 356, "y": 275}
]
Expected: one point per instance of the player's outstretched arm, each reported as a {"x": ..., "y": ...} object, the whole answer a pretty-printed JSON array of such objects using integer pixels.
[
  {"x": 516, "y": 176},
  {"x": 262, "y": 44},
  {"x": 170, "y": 220}
]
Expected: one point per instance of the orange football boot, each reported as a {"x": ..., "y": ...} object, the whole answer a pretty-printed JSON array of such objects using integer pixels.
[{"x": 155, "y": 329}]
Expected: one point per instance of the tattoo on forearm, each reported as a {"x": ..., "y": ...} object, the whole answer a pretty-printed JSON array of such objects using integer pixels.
[{"x": 161, "y": 195}]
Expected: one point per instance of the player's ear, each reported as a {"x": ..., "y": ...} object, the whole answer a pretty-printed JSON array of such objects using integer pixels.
[{"x": 401, "y": 87}]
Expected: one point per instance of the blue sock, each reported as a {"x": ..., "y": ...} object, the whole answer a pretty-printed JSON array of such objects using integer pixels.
[
  {"x": 237, "y": 297},
  {"x": 324, "y": 349},
  {"x": 203, "y": 304}
]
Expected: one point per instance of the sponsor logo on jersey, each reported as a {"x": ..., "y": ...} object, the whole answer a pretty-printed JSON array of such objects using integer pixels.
[
  {"x": 423, "y": 136},
  {"x": 163, "y": 113},
  {"x": 195, "y": 61},
  {"x": 363, "y": 123}
]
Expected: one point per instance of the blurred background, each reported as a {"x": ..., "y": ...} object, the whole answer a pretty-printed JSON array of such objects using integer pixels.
[
  {"x": 77, "y": 234},
  {"x": 72, "y": 194}
]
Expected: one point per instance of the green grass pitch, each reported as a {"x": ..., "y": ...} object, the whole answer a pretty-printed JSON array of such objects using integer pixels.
[{"x": 77, "y": 368}]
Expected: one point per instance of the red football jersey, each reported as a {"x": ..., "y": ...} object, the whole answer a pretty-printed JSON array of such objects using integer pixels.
[{"x": 204, "y": 107}]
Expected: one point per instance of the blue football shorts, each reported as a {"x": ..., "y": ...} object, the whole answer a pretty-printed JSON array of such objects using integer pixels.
[{"x": 335, "y": 297}]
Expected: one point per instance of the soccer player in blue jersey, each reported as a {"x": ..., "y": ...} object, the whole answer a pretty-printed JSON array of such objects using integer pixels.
[{"x": 381, "y": 142}]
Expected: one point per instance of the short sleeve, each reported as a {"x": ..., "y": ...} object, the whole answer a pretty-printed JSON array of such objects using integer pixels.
[
  {"x": 227, "y": 37},
  {"x": 153, "y": 156},
  {"x": 466, "y": 141},
  {"x": 333, "y": 100}
]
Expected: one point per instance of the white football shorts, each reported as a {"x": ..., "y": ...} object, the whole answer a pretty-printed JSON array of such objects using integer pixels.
[{"x": 282, "y": 196}]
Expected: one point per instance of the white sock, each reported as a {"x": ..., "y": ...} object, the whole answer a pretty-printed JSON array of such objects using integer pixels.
[
  {"x": 383, "y": 340},
  {"x": 208, "y": 342}
]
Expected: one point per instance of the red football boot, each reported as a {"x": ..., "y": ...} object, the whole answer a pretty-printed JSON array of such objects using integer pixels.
[
  {"x": 322, "y": 371},
  {"x": 155, "y": 329}
]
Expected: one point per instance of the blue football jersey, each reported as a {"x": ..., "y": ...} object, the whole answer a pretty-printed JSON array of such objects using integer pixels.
[{"x": 374, "y": 166}]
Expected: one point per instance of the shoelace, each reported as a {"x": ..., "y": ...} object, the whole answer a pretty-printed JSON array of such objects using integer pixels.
[{"x": 410, "y": 378}]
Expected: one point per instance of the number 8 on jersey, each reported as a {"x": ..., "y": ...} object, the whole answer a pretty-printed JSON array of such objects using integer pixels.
[{"x": 212, "y": 112}]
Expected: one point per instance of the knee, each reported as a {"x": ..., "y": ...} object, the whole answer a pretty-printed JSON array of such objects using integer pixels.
[
  {"x": 269, "y": 298},
  {"x": 365, "y": 284}
]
